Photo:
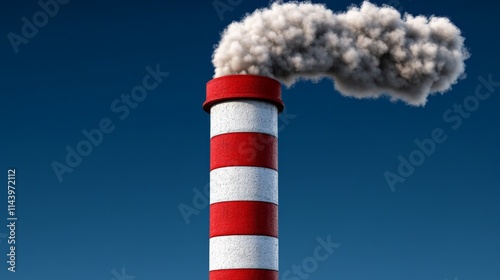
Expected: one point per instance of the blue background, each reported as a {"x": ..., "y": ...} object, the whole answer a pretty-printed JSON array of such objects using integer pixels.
[{"x": 119, "y": 208}]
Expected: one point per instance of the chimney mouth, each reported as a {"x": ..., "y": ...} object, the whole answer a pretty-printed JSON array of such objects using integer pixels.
[{"x": 242, "y": 86}]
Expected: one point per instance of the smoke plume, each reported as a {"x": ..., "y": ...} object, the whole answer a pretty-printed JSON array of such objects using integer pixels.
[{"x": 368, "y": 51}]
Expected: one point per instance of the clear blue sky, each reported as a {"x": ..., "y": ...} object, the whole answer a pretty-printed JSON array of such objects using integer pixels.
[{"x": 119, "y": 207}]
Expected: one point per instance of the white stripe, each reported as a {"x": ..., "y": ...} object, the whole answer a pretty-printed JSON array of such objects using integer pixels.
[
  {"x": 243, "y": 251},
  {"x": 243, "y": 183},
  {"x": 244, "y": 116}
]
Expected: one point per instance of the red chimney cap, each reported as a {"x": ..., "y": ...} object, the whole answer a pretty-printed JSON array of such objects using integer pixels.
[{"x": 234, "y": 87}]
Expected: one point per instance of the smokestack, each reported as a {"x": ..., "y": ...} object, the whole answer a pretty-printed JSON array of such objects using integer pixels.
[
  {"x": 368, "y": 51},
  {"x": 243, "y": 176}
]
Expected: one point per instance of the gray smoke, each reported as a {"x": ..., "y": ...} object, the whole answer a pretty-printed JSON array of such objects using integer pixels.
[{"x": 368, "y": 51}]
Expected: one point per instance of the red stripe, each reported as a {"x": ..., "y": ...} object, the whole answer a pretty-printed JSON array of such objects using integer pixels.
[
  {"x": 244, "y": 274},
  {"x": 243, "y": 218},
  {"x": 244, "y": 149}
]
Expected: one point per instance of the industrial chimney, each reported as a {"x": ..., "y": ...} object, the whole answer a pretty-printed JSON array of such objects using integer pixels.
[{"x": 243, "y": 176}]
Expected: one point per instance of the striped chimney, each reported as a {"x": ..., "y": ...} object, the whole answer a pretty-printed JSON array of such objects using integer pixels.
[{"x": 243, "y": 176}]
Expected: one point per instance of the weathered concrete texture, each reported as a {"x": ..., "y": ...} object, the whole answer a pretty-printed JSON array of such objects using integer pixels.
[
  {"x": 244, "y": 149},
  {"x": 243, "y": 251},
  {"x": 244, "y": 116},
  {"x": 243, "y": 218},
  {"x": 250, "y": 183}
]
